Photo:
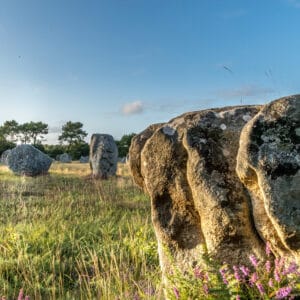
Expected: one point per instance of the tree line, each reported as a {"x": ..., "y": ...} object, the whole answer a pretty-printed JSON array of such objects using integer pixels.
[{"x": 71, "y": 140}]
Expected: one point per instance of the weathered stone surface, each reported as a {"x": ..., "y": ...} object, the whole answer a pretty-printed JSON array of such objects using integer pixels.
[
  {"x": 84, "y": 159},
  {"x": 64, "y": 158},
  {"x": 29, "y": 161},
  {"x": 137, "y": 144},
  {"x": 103, "y": 156},
  {"x": 4, "y": 157},
  {"x": 188, "y": 168},
  {"x": 268, "y": 165}
]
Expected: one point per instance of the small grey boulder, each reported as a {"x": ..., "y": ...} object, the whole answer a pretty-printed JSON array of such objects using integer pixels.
[
  {"x": 29, "y": 161},
  {"x": 84, "y": 159},
  {"x": 64, "y": 158}
]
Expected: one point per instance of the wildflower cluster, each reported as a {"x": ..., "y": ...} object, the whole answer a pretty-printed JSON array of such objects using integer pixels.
[{"x": 271, "y": 279}]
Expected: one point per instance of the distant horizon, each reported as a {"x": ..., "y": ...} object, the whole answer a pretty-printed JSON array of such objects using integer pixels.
[{"x": 119, "y": 66}]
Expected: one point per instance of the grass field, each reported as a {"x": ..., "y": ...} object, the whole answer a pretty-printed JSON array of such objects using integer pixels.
[{"x": 66, "y": 236}]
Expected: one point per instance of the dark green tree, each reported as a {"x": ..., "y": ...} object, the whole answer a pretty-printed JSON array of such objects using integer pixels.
[
  {"x": 72, "y": 133},
  {"x": 32, "y": 132},
  {"x": 54, "y": 150},
  {"x": 9, "y": 130},
  {"x": 78, "y": 150},
  {"x": 5, "y": 144},
  {"x": 124, "y": 143}
]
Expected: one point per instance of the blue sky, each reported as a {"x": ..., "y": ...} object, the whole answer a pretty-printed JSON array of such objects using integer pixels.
[{"x": 119, "y": 65}]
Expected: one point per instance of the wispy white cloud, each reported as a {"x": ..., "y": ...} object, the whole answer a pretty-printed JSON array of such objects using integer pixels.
[
  {"x": 246, "y": 91},
  {"x": 132, "y": 108}
]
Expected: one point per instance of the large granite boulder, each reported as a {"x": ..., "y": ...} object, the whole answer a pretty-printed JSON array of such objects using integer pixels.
[
  {"x": 64, "y": 158},
  {"x": 4, "y": 157},
  {"x": 269, "y": 166},
  {"x": 225, "y": 180},
  {"x": 103, "y": 156},
  {"x": 29, "y": 161}
]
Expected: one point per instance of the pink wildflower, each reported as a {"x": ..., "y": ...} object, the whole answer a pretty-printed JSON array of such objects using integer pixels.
[
  {"x": 268, "y": 249},
  {"x": 245, "y": 270},
  {"x": 176, "y": 292},
  {"x": 238, "y": 297},
  {"x": 253, "y": 260},
  {"x": 205, "y": 289},
  {"x": 279, "y": 262},
  {"x": 198, "y": 273},
  {"x": 292, "y": 268},
  {"x": 271, "y": 283},
  {"x": 277, "y": 276},
  {"x": 260, "y": 288},
  {"x": 268, "y": 266},
  {"x": 237, "y": 273},
  {"x": 21, "y": 294},
  {"x": 283, "y": 292},
  {"x": 253, "y": 279},
  {"x": 223, "y": 272}
]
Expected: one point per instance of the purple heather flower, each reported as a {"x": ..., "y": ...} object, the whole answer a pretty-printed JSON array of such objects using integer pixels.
[
  {"x": 237, "y": 273},
  {"x": 136, "y": 297},
  {"x": 292, "y": 268},
  {"x": 279, "y": 262},
  {"x": 277, "y": 276},
  {"x": 253, "y": 260},
  {"x": 198, "y": 273},
  {"x": 223, "y": 275},
  {"x": 176, "y": 292},
  {"x": 253, "y": 278},
  {"x": 268, "y": 249},
  {"x": 260, "y": 288},
  {"x": 268, "y": 266},
  {"x": 271, "y": 283},
  {"x": 205, "y": 289},
  {"x": 21, "y": 294},
  {"x": 283, "y": 292},
  {"x": 245, "y": 270}
]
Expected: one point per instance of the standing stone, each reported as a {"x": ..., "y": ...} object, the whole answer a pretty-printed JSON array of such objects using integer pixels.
[
  {"x": 197, "y": 200},
  {"x": 103, "y": 156},
  {"x": 29, "y": 161},
  {"x": 269, "y": 166},
  {"x": 84, "y": 159},
  {"x": 64, "y": 158},
  {"x": 4, "y": 157}
]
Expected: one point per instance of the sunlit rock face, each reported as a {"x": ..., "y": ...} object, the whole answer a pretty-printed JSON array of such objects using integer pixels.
[
  {"x": 29, "y": 161},
  {"x": 202, "y": 199},
  {"x": 103, "y": 156},
  {"x": 269, "y": 166},
  {"x": 137, "y": 144}
]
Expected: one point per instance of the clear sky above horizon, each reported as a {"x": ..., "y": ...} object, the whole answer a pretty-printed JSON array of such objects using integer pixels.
[{"x": 119, "y": 65}]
